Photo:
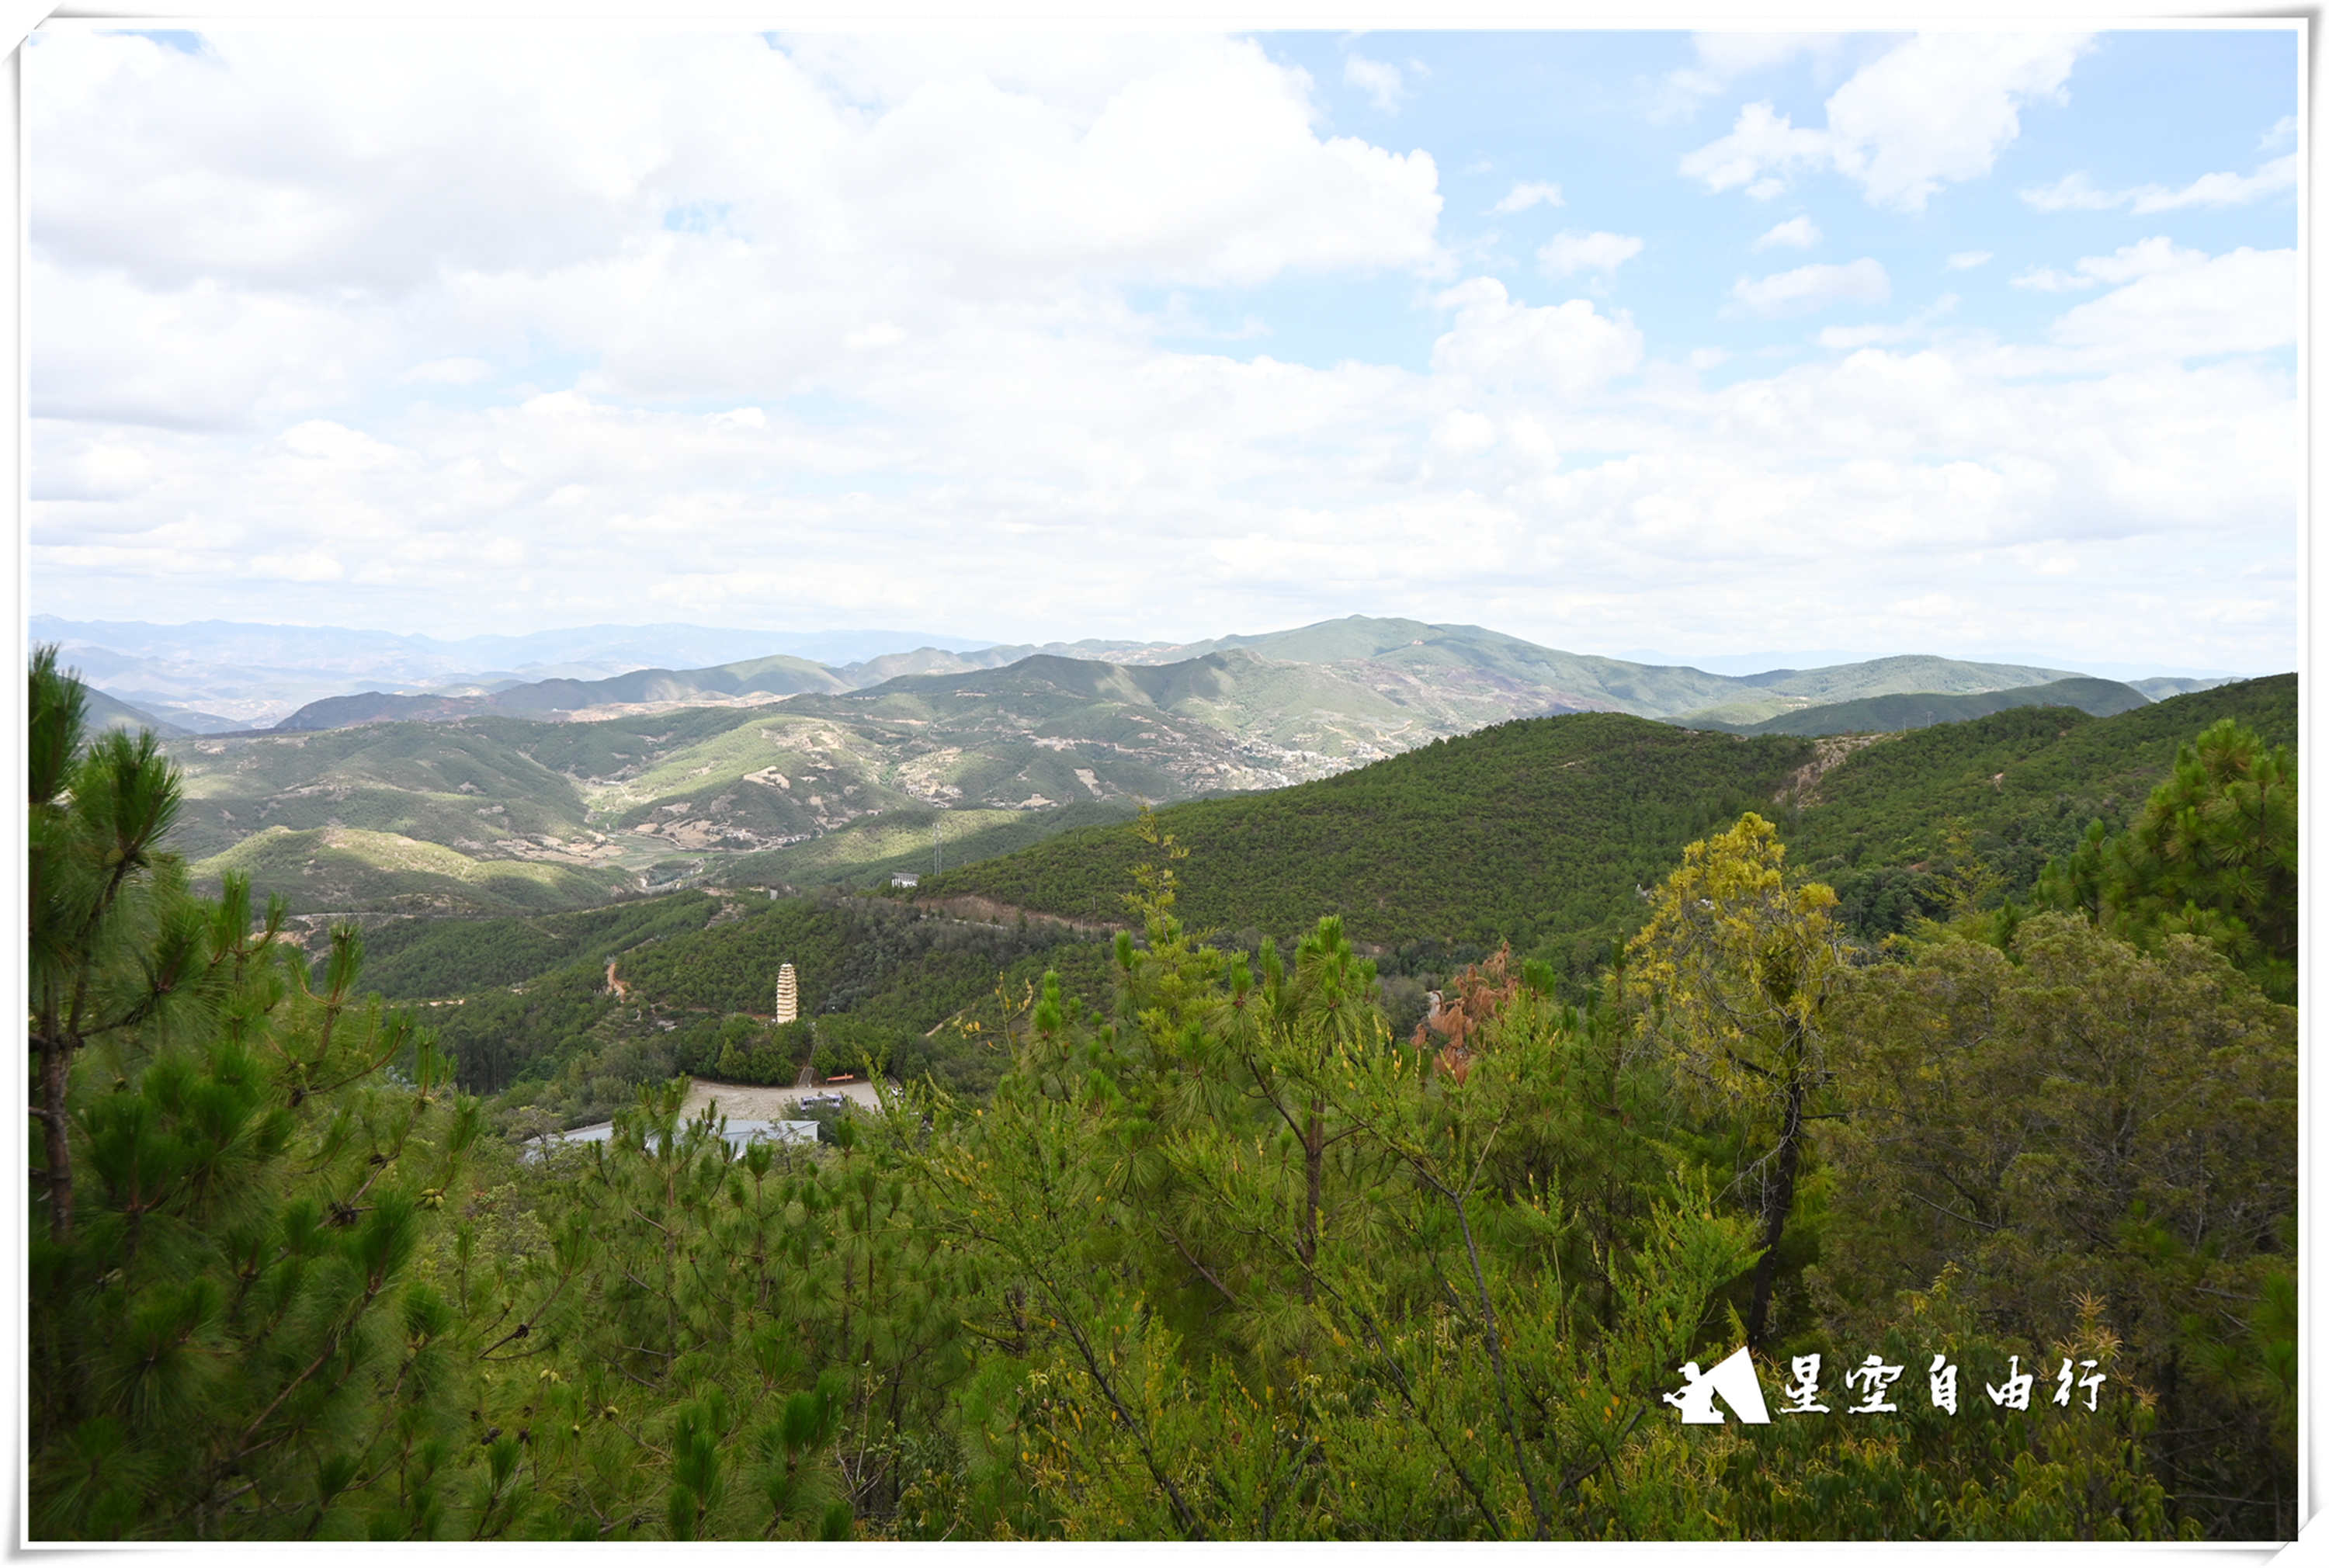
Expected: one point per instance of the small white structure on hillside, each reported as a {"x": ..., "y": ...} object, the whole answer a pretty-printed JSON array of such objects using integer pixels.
[
  {"x": 739, "y": 1135},
  {"x": 905, "y": 879},
  {"x": 787, "y": 996}
]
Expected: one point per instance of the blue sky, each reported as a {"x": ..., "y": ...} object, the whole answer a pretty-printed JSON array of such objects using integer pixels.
[
  {"x": 1597, "y": 115},
  {"x": 1975, "y": 345}
]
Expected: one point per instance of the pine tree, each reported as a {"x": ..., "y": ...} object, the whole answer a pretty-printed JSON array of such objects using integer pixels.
[{"x": 2213, "y": 855}]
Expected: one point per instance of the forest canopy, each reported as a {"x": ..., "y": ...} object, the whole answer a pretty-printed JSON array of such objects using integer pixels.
[{"x": 1215, "y": 1251}]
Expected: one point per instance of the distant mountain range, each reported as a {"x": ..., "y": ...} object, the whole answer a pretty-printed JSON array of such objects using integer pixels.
[
  {"x": 1477, "y": 674},
  {"x": 214, "y": 676},
  {"x": 488, "y": 796},
  {"x": 231, "y": 675}
]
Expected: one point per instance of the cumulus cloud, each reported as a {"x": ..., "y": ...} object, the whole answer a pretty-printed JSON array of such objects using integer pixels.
[
  {"x": 1917, "y": 327},
  {"x": 2140, "y": 260},
  {"x": 1815, "y": 287},
  {"x": 1721, "y": 58},
  {"x": 1385, "y": 88},
  {"x": 908, "y": 368},
  {"x": 2047, "y": 280},
  {"x": 1801, "y": 233},
  {"x": 282, "y": 170},
  {"x": 2180, "y": 303},
  {"x": 456, "y": 370},
  {"x": 79, "y": 467},
  {"x": 1570, "y": 349},
  {"x": 1762, "y": 149},
  {"x": 1936, "y": 110},
  {"x": 1963, "y": 259},
  {"x": 1571, "y": 252},
  {"x": 2076, "y": 192},
  {"x": 1527, "y": 193}
]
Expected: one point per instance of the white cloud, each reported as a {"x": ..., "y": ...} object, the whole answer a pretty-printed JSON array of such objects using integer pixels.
[
  {"x": 1800, "y": 232},
  {"x": 1165, "y": 174},
  {"x": 1385, "y": 88},
  {"x": 904, "y": 379},
  {"x": 1731, "y": 55},
  {"x": 2075, "y": 193},
  {"x": 1721, "y": 58},
  {"x": 1570, "y": 252},
  {"x": 1527, "y": 193},
  {"x": 1969, "y": 259},
  {"x": 296, "y": 216},
  {"x": 2180, "y": 305},
  {"x": 1762, "y": 140},
  {"x": 1917, "y": 327},
  {"x": 86, "y": 468},
  {"x": 307, "y": 567},
  {"x": 457, "y": 370},
  {"x": 1936, "y": 111},
  {"x": 1815, "y": 287},
  {"x": 1463, "y": 433},
  {"x": 2283, "y": 134},
  {"x": 2141, "y": 259},
  {"x": 2046, "y": 280},
  {"x": 1571, "y": 348}
]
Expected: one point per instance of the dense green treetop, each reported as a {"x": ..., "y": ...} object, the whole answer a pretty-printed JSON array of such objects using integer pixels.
[
  {"x": 2212, "y": 854},
  {"x": 1533, "y": 827},
  {"x": 2029, "y": 780}
]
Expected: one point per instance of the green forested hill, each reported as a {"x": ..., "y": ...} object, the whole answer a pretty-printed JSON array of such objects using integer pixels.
[
  {"x": 699, "y": 974},
  {"x": 332, "y": 870},
  {"x": 443, "y": 783},
  {"x": 1538, "y": 830},
  {"x": 912, "y": 838},
  {"x": 2024, "y": 783},
  {"x": 422, "y": 957},
  {"x": 1528, "y": 829},
  {"x": 1919, "y": 709}
]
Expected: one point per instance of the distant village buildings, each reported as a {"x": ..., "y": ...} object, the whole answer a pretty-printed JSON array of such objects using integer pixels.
[{"x": 788, "y": 995}]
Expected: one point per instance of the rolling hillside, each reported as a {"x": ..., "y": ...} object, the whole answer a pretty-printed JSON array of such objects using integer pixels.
[
  {"x": 1537, "y": 831},
  {"x": 2023, "y": 783},
  {"x": 704, "y": 784},
  {"x": 662, "y": 784},
  {"x": 338, "y": 869},
  {"x": 1917, "y": 710},
  {"x": 111, "y": 713}
]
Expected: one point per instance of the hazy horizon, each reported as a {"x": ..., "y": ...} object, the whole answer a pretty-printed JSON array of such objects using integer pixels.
[{"x": 875, "y": 642}]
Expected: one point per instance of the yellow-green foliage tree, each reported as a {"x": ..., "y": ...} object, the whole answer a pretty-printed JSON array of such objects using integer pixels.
[{"x": 1733, "y": 975}]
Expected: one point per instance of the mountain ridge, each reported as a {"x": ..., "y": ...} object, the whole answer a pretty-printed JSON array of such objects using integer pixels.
[{"x": 1551, "y": 679}]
